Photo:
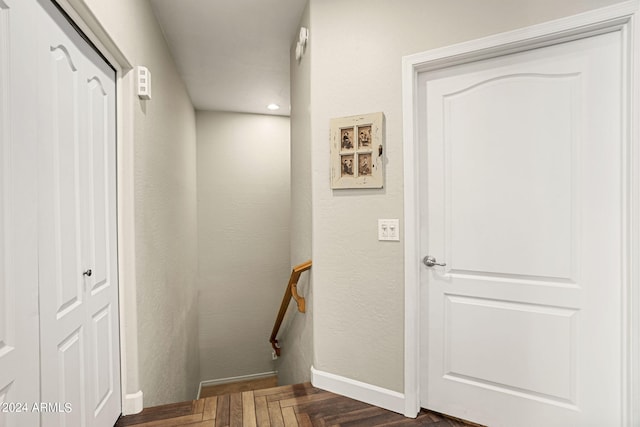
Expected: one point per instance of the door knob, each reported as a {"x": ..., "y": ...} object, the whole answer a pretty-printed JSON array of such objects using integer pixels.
[
  {"x": 430, "y": 261},
  {"x": 87, "y": 273}
]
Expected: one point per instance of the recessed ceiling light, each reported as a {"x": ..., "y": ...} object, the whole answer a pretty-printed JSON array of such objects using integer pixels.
[{"x": 273, "y": 107}]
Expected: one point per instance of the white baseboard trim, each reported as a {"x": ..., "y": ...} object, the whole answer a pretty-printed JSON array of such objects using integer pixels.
[
  {"x": 235, "y": 379},
  {"x": 367, "y": 393},
  {"x": 133, "y": 403}
]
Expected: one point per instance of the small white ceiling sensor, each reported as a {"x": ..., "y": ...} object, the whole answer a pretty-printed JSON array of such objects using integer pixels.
[{"x": 273, "y": 107}]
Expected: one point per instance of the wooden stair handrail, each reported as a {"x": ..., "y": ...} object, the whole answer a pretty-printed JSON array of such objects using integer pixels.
[{"x": 290, "y": 292}]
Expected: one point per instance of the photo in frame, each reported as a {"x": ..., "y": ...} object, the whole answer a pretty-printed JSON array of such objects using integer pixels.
[{"x": 357, "y": 159}]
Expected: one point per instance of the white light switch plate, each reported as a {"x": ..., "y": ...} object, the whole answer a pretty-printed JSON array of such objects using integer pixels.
[{"x": 389, "y": 229}]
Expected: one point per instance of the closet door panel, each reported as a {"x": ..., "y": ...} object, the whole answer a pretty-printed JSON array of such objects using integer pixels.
[
  {"x": 63, "y": 269},
  {"x": 78, "y": 271},
  {"x": 102, "y": 297},
  {"x": 19, "y": 359}
]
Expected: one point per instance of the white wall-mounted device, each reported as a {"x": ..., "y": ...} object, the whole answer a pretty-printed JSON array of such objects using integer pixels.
[
  {"x": 143, "y": 80},
  {"x": 304, "y": 36},
  {"x": 301, "y": 45}
]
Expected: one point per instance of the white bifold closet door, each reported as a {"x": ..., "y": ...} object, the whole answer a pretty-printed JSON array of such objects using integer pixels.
[{"x": 70, "y": 169}]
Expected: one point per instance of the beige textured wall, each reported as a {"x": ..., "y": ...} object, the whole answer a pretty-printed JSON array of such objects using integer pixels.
[
  {"x": 296, "y": 338},
  {"x": 165, "y": 208},
  {"x": 243, "y": 238},
  {"x": 355, "y": 69}
]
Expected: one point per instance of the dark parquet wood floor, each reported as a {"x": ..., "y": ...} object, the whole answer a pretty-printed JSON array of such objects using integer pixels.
[
  {"x": 297, "y": 405},
  {"x": 238, "y": 386}
]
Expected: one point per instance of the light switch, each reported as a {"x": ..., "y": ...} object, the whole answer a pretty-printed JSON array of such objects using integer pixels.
[{"x": 389, "y": 229}]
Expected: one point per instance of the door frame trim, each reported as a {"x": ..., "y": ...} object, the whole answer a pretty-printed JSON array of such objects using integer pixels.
[
  {"x": 86, "y": 21},
  {"x": 622, "y": 18}
]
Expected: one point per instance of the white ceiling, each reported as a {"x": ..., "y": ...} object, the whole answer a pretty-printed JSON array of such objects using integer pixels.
[{"x": 233, "y": 55}]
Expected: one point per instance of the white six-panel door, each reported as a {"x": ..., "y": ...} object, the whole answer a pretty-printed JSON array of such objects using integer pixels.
[
  {"x": 58, "y": 202},
  {"x": 523, "y": 172}
]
